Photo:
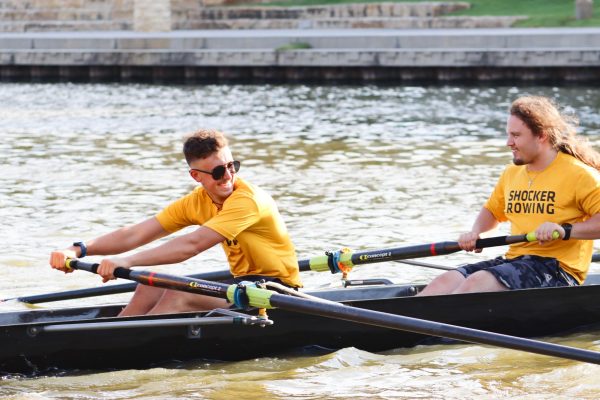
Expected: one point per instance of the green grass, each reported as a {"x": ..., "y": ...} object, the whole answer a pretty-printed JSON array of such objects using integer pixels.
[
  {"x": 541, "y": 13},
  {"x": 294, "y": 46}
]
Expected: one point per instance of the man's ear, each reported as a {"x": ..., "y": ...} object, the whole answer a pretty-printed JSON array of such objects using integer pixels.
[
  {"x": 195, "y": 175},
  {"x": 543, "y": 137}
]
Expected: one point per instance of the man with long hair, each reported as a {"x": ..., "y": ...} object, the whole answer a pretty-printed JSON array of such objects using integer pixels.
[
  {"x": 227, "y": 210},
  {"x": 553, "y": 186}
]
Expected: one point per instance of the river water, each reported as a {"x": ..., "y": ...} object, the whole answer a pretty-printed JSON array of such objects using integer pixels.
[{"x": 363, "y": 167}]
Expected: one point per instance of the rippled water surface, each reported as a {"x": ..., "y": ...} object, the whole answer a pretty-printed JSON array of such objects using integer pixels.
[{"x": 364, "y": 167}]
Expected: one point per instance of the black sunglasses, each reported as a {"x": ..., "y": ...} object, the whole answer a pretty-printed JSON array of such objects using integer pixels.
[{"x": 218, "y": 172}]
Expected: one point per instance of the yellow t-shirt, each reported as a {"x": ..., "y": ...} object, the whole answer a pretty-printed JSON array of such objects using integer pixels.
[
  {"x": 567, "y": 191},
  {"x": 257, "y": 241}
]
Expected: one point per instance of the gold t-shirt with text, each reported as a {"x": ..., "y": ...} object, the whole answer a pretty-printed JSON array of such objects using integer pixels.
[
  {"x": 257, "y": 241},
  {"x": 567, "y": 191}
]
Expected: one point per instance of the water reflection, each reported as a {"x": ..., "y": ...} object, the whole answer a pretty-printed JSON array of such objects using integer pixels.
[
  {"x": 341, "y": 161},
  {"x": 364, "y": 167}
]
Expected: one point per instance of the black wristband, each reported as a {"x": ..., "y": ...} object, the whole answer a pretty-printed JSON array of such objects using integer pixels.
[
  {"x": 567, "y": 228},
  {"x": 83, "y": 248}
]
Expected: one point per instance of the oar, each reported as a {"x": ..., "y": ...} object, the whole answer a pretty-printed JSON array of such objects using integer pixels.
[
  {"x": 323, "y": 263},
  {"x": 251, "y": 295},
  {"x": 106, "y": 290},
  {"x": 319, "y": 263}
]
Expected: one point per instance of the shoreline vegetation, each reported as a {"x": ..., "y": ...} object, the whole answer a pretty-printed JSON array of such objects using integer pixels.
[{"x": 539, "y": 13}]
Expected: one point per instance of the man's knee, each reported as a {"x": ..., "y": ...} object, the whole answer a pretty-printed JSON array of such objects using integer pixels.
[
  {"x": 443, "y": 284},
  {"x": 480, "y": 281},
  {"x": 449, "y": 279}
]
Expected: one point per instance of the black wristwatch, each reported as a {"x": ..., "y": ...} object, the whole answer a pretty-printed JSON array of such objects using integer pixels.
[
  {"x": 83, "y": 248},
  {"x": 567, "y": 228}
]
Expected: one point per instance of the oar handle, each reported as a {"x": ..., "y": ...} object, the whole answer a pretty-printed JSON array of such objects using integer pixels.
[
  {"x": 498, "y": 241},
  {"x": 119, "y": 272},
  {"x": 504, "y": 240}
]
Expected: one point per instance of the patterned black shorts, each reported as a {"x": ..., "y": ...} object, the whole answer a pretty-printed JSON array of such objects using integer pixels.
[{"x": 523, "y": 272}]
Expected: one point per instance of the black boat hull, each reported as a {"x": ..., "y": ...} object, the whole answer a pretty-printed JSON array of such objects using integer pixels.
[{"x": 27, "y": 349}]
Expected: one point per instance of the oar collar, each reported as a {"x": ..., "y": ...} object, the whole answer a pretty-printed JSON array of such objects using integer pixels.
[{"x": 246, "y": 294}]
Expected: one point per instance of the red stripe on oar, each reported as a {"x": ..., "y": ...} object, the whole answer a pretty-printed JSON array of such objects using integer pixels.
[
  {"x": 432, "y": 249},
  {"x": 151, "y": 279}
]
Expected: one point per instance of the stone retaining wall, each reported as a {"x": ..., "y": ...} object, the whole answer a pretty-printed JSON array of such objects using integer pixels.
[
  {"x": 156, "y": 15},
  {"x": 67, "y": 15},
  {"x": 367, "y": 10},
  {"x": 355, "y": 23}
]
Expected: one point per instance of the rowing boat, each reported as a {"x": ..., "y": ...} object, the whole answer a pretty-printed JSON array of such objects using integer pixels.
[{"x": 38, "y": 341}]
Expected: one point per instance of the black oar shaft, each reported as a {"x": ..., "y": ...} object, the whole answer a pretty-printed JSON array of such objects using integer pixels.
[
  {"x": 77, "y": 293},
  {"x": 402, "y": 253},
  {"x": 398, "y": 322},
  {"x": 423, "y": 250},
  {"x": 432, "y": 249},
  {"x": 175, "y": 282},
  {"x": 265, "y": 298}
]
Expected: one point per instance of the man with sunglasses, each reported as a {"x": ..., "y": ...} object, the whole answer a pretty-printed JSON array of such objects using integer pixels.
[{"x": 228, "y": 210}]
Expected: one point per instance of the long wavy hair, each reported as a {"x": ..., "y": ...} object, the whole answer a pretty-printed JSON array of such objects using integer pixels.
[{"x": 541, "y": 115}]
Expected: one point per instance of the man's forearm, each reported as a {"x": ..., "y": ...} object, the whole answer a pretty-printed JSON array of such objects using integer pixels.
[
  {"x": 484, "y": 222},
  {"x": 588, "y": 230}
]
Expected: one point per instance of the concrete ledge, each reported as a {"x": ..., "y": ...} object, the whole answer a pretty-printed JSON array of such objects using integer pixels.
[
  {"x": 482, "y": 39},
  {"x": 535, "y": 52}
]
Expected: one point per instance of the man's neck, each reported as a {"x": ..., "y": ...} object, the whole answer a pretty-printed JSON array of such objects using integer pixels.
[{"x": 543, "y": 160}]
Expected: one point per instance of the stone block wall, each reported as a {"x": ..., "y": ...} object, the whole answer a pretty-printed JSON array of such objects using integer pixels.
[
  {"x": 165, "y": 15},
  {"x": 49, "y": 15},
  {"x": 152, "y": 15},
  {"x": 188, "y": 16}
]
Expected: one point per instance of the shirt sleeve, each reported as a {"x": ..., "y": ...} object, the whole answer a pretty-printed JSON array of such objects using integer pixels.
[
  {"x": 588, "y": 193},
  {"x": 176, "y": 215}
]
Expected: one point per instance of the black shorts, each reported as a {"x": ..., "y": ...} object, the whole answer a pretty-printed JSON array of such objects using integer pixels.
[{"x": 523, "y": 272}]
